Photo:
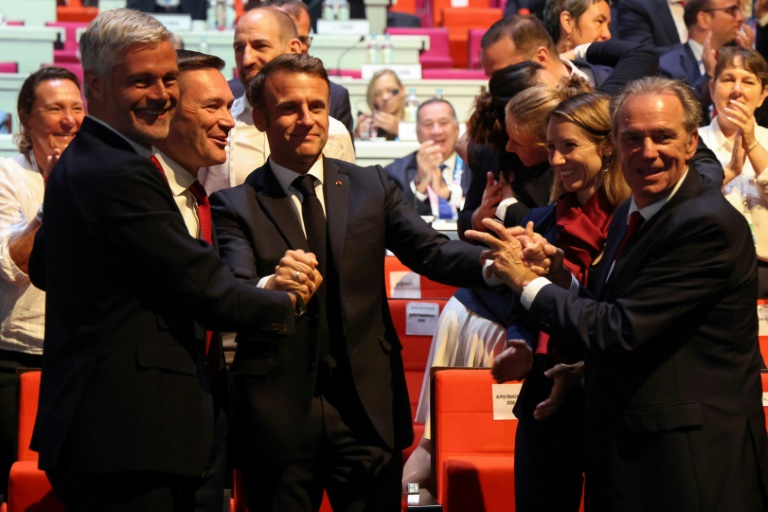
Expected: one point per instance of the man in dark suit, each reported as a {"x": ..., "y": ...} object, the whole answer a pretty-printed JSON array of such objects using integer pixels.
[
  {"x": 651, "y": 23},
  {"x": 198, "y": 9},
  {"x": 328, "y": 407},
  {"x": 435, "y": 166},
  {"x": 126, "y": 418},
  {"x": 340, "y": 107},
  {"x": 673, "y": 393},
  {"x": 197, "y": 138}
]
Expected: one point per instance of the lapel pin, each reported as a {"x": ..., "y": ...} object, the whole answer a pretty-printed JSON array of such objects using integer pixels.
[{"x": 338, "y": 183}]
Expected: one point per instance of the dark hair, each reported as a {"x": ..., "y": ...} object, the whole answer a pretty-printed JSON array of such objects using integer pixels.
[
  {"x": 750, "y": 60},
  {"x": 486, "y": 124},
  {"x": 554, "y": 8},
  {"x": 526, "y": 32},
  {"x": 692, "y": 9},
  {"x": 433, "y": 101},
  {"x": 292, "y": 63},
  {"x": 190, "y": 60},
  {"x": 28, "y": 95}
]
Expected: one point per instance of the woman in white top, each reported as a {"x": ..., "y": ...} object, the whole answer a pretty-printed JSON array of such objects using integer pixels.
[
  {"x": 50, "y": 109},
  {"x": 740, "y": 85}
]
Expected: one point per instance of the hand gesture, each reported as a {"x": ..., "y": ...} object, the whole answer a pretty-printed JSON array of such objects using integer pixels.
[
  {"x": 746, "y": 36},
  {"x": 386, "y": 121},
  {"x": 738, "y": 113},
  {"x": 492, "y": 196},
  {"x": 51, "y": 162},
  {"x": 364, "y": 125},
  {"x": 567, "y": 376},
  {"x": 428, "y": 160},
  {"x": 297, "y": 271},
  {"x": 506, "y": 252},
  {"x": 513, "y": 363},
  {"x": 709, "y": 55}
]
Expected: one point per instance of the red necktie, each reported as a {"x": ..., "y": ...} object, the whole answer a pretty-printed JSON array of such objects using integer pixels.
[
  {"x": 635, "y": 223},
  {"x": 203, "y": 210},
  {"x": 155, "y": 161}
]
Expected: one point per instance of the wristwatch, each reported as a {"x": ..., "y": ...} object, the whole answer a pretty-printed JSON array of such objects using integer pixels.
[{"x": 301, "y": 309}]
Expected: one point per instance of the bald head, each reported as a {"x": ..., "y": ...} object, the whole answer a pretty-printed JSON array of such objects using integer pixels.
[{"x": 261, "y": 35}]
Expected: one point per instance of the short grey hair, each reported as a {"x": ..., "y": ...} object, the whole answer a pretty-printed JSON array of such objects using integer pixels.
[
  {"x": 659, "y": 86},
  {"x": 111, "y": 32}
]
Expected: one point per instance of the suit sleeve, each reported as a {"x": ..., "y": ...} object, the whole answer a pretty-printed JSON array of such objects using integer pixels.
[
  {"x": 424, "y": 250},
  {"x": 658, "y": 299},
  {"x": 152, "y": 232},
  {"x": 235, "y": 248},
  {"x": 342, "y": 110},
  {"x": 629, "y": 60}
]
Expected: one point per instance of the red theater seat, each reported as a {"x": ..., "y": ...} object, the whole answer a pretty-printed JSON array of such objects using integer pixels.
[{"x": 427, "y": 289}]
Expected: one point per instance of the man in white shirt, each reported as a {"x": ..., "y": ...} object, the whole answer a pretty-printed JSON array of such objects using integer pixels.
[
  {"x": 262, "y": 34},
  {"x": 673, "y": 394},
  {"x": 433, "y": 179}
]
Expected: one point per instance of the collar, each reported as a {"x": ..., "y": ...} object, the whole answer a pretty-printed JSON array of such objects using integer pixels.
[
  {"x": 140, "y": 150},
  {"x": 697, "y": 49},
  {"x": 179, "y": 179},
  {"x": 719, "y": 141},
  {"x": 575, "y": 71},
  {"x": 652, "y": 209},
  {"x": 286, "y": 176},
  {"x": 450, "y": 162},
  {"x": 241, "y": 106}
]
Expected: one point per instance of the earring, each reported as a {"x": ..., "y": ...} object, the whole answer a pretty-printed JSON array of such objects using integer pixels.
[{"x": 568, "y": 43}]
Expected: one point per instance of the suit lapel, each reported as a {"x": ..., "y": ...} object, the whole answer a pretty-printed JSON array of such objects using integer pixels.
[
  {"x": 277, "y": 206},
  {"x": 635, "y": 251},
  {"x": 689, "y": 64},
  {"x": 336, "y": 191}
]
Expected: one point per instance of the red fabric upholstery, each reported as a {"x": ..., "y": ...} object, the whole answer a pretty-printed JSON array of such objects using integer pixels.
[
  {"x": 429, "y": 289},
  {"x": 460, "y": 21},
  {"x": 472, "y": 452},
  {"x": 439, "y": 53},
  {"x": 75, "y": 11},
  {"x": 69, "y": 52},
  {"x": 475, "y": 35},
  {"x": 438, "y": 6},
  {"x": 28, "y": 487},
  {"x": 762, "y": 304}
]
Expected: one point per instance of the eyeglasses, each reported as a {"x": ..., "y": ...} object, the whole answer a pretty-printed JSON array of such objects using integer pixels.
[
  {"x": 730, "y": 11},
  {"x": 306, "y": 40}
]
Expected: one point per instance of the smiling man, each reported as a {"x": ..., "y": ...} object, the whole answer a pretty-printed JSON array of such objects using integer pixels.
[
  {"x": 328, "y": 408},
  {"x": 674, "y": 416},
  {"x": 434, "y": 178},
  {"x": 126, "y": 416}
]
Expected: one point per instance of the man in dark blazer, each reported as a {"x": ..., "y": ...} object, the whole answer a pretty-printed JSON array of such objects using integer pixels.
[
  {"x": 650, "y": 23},
  {"x": 435, "y": 165},
  {"x": 126, "y": 419},
  {"x": 327, "y": 407},
  {"x": 674, "y": 415}
]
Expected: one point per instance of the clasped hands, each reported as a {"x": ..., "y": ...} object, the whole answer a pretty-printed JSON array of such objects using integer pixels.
[
  {"x": 519, "y": 255},
  {"x": 296, "y": 271},
  {"x": 428, "y": 160}
]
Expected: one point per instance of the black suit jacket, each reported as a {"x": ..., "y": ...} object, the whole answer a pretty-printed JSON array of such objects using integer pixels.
[
  {"x": 123, "y": 380},
  {"x": 680, "y": 63},
  {"x": 404, "y": 170},
  {"x": 673, "y": 368},
  {"x": 648, "y": 22},
  {"x": 340, "y": 107},
  {"x": 272, "y": 380}
]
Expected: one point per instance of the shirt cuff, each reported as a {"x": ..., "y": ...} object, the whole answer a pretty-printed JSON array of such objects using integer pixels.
[
  {"x": 419, "y": 195},
  {"x": 263, "y": 281},
  {"x": 580, "y": 52},
  {"x": 501, "y": 210},
  {"x": 531, "y": 290}
]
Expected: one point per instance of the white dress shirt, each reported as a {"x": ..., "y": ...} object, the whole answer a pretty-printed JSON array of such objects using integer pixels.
[
  {"x": 22, "y": 307},
  {"x": 248, "y": 149},
  {"x": 677, "y": 9},
  {"x": 285, "y": 177},
  {"x": 179, "y": 180}
]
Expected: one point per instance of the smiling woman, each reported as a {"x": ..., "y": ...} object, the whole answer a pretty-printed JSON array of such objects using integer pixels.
[
  {"x": 575, "y": 22},
  {"x": 50, "y": 109}
]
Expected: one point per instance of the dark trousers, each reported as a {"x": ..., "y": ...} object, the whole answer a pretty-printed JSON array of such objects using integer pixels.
[
  {"x": 341, "y": 453},
  {"x": 10, "y": 362},
  {"x": 549, "y": 454},
  {"x": 139, "y": 491}
]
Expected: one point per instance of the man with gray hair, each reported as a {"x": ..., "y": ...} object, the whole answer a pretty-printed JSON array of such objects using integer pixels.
[
  {"x": 126, "y": 417},
  {"x": 674, "y": 416}
]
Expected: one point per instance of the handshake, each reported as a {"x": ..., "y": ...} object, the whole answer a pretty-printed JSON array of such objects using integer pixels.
[
  {"x": 519, "y": 255},
  {"x": 296, "y": 272}
]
